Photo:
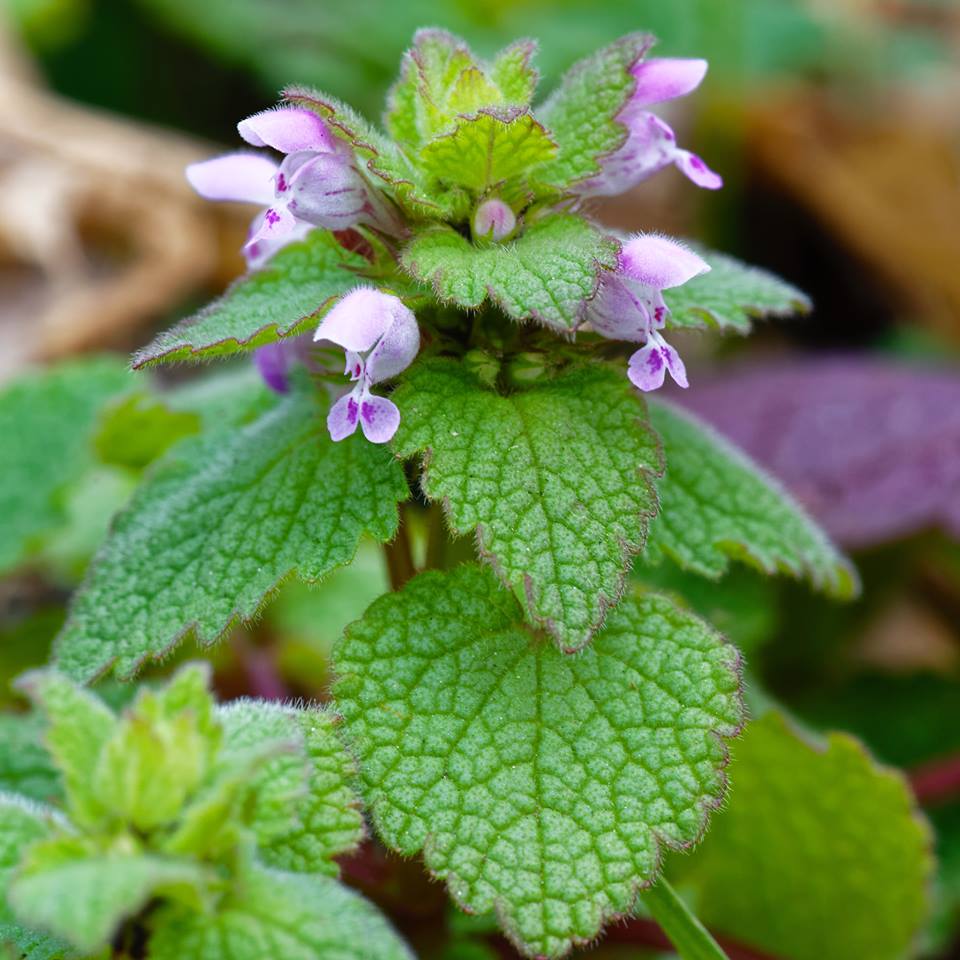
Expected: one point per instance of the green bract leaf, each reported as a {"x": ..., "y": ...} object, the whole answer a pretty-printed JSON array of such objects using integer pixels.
[
  {"x": 386, "y": 163},
  {"x": 581, "y": 113},
  {"x": 555, "y": 479},
  {"x": 487, "y": 149},
  {"x": 283, "y": 298},
  {"x": 716, "y": 504},
  {"x": 539, "y": 784},
  {"x": 216, "y": 527},
  {"x": 513, "y": 72},
  {"x": 46, "y": 421},
  {"x": 328, "y": 821},
  {"x": 820, "y": 854},
  {"x": 279, "y": 915},
  {"x": 547, "y": 273},
  {"x": 78, "y": 725},
  {"x": 159, "y": 753},
  {"x": 731, "y": 296},
  {"x": 68, "y": 888},
  {"x": 25, "y": 765}
]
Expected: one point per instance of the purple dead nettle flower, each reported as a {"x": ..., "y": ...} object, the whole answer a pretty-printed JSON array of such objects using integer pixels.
[
  {"x": 651, "y": 145},
  {"x": 630, "y": 306},
  {"x": 381, "y": 338},
  {"x": 316, "y": 185}
]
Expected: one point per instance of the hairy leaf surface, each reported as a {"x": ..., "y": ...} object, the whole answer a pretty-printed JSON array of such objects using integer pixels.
[
  {"x": 327, "y": 821},
  {"x": 731, "y": 296},
  {"x": 283, "y": 298},
  {"x": 279, "y": 915},
  {"x": 554, "y": 479},
  {"x": 218, "y": 524},
  {"x": 581, "y": 113},
  {"x": 548, "y": 273},
  {"x": 871, "y": 448},
  {"x": 488, "y": 148},
  {"x": 715, "y": 504},
  {"x": 536, "y": 783}
]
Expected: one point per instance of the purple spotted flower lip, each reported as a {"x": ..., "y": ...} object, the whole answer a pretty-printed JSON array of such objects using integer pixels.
[
  {"x": 630, "y": 306},
  {"x": 316, "y": 184},
  {"x": 651, "y": 145},
  {"x": 381, "y": 338}
]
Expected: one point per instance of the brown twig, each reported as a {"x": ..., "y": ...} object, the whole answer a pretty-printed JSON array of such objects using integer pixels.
[{"x": 399, "y": 554}]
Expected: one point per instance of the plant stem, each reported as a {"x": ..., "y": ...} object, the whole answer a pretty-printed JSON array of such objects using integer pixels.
[
  {"x": 399, "y": 555},
  {"x": 689, "y": 936}
]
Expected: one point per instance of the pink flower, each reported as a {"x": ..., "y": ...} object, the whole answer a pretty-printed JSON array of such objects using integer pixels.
[
  {"x": 651, "y": 145},
  {"x": 316, "y": 184},
  {"x": 380, "y": 337},
  {"x": 630, "y": 306},
  {"x": 494, "y": 220}
]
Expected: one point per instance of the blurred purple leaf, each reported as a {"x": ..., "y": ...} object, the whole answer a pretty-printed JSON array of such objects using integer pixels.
[{"x": 871, "y": 448}]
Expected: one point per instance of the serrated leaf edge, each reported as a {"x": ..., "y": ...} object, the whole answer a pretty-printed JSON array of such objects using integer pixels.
[{"x": 844, "y": 585}]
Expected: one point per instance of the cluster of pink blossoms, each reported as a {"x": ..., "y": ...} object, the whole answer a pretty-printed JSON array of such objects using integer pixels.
[{"x": 319, "y": 184}]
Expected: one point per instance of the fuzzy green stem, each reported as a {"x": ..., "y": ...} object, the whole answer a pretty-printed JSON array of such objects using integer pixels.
[{"x": 689, "y": 936}]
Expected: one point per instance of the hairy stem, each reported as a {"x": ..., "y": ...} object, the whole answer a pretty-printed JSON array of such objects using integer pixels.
[
  {"x": 399, "y": 554},
  {"x": 688, "y": 935}
]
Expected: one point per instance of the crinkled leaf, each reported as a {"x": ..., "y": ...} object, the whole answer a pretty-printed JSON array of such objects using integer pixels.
[
  {"x": 536, "y": 783},
  {"x": 514, "y": 74},
  {"x": 819, "y": 855},
  {"x": 218, "y": 524},
  {"x": 279, "y": 915},
  {"x": 68, "y": 889},
  {"x": 77, "y": 727},
  {"x": 555, "y": 480},
  {"x": 328, "y": 821},
  {"x": 25, "y": 766},
  {"x": 731, "y": 296},
  {"x": 581, "y": 113},
  {"x": 46, "y": 421},
  {"x": 388, "y": 166},
  {"x": 488, "y": 148},
  {"x": 135, "y": 430},
  {"x": 547, "y": 273},
  {"x": 715, "y": 504},
  {"x": 283, "y": 298},
  {"x": 160, "y": 752},
  {"x": 281, "y": 785},
  {"x": 870, "y": 448}
]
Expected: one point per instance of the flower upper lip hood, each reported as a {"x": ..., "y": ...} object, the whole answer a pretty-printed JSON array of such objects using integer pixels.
[
  {"x": 651, "y": 144},
  {"x": 316, "y": 184},
  {"x": 630, "y": 306}
]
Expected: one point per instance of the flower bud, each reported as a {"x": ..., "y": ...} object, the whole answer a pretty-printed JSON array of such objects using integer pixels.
[{"x": 493, "y": 220}]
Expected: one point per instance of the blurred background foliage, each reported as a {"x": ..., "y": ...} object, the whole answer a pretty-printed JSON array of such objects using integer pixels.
[{"x": 835, "y": 125}]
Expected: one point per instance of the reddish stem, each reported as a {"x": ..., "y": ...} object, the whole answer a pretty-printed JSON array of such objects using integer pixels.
[{"x": 937, "y": 781}]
